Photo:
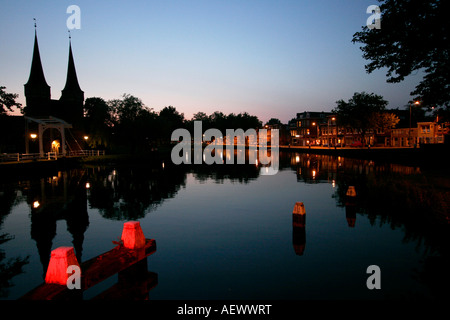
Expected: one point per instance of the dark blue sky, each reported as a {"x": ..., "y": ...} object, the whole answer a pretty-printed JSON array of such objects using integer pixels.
[{"x": 269, "y": 58}]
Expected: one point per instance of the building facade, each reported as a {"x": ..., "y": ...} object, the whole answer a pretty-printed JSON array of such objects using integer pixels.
[
  {"x": 305, "y": 128},
  {"x": 38, "y": 96},
  {"x": 322, "y": 129},
  {"x": 47, "y": 119}
]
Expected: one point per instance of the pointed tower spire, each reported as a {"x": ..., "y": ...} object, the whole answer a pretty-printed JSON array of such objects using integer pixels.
[
  {"x": 72, "y": 97},
  {"x": 72, "y": 86},
  {"x": 37, "y": 91}
]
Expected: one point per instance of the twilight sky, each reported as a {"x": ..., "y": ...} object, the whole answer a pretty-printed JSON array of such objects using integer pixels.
[{"x": 266, "y": 57}]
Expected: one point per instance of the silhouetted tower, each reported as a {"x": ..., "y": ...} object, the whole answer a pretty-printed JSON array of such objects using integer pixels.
[
  {"x": 72, "y": 96},
  {"x": 37, "y": 91}
]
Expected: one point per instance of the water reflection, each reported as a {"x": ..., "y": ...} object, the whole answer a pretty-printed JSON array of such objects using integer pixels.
[
  {"x": 298, "y": 228},
  {"x": 400, "y": 196},
  {"x": 130, "y": 192},
  {"x": 60, "y": 196},
  {"x": 9, "y": 268},
  {"x": 411, "y": 198},
  {"x": 123, "y": 192}
]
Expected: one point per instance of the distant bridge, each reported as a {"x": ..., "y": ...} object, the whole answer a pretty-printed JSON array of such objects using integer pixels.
[{"x": 18, "y": 157}]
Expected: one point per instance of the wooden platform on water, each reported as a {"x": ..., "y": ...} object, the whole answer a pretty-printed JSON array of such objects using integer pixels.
[{"x": 118, "y": 260}]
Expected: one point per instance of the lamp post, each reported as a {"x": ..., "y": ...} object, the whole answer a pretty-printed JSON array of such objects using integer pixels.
[
  {"x": 328, "y": 133},
  {"x": 31, "y": 136},
  {"x": 335, "y": 125},
  {"x": 410, "y": 113},
  {"x": 317, "y": 132}
]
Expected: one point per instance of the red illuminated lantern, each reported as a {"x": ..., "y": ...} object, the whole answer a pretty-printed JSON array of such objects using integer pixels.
[
  {"x": 61, "y": 258},
  {"x": 132, "y": 235}
]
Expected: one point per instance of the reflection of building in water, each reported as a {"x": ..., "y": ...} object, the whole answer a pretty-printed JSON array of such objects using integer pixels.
[
  {"x": 350, "y": 206},
  {"x": 340, "y": 172},
  {"x": 130, "y": 192},
  {"x": 313, "y": 168},
  {"x": 298, "y": 228},
  {"x": 60, "y": 197},
  {"x": 350, "y": 214}
]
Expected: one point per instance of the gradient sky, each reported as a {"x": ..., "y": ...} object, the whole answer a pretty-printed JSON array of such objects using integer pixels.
[{"x": 265, "y": 57}]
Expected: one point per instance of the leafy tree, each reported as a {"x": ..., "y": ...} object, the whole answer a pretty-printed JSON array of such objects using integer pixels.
[
  {"x": 8, "y": 101},
  {"x": 273, "y": 121},
  {"x": 98, "y": 122},
  {"x": 384, "y": 120},
  {"x": 414, "y": 36},
  {"x": 169, "y": 119},
  {"x": 218, "y": 120},
  {"x": 200, "y": 116},
  {"x": 132, "y": 123},
  {"x": 96, "y": 109},
  {"x": 127, "y": 109},
  {"x": 246, "y": 121},
  {"x": 172, "y": 116},
  {"x": 360, "y": 110}
]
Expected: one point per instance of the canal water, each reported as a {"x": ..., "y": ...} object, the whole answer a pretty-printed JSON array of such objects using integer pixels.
[{"x": 228, "y": 232}]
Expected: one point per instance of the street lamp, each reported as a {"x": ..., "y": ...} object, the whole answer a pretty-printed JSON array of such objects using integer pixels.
[
  {"x": 33, "y": 136},
  {"x": 410, "y": 107},
  {"x": 36, "y": 204},
  {"x": 317, "y": 131},
  {"x": 328, "y": 129}
]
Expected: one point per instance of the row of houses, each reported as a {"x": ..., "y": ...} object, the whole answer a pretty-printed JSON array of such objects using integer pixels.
[{"x": 323, "y": 129}]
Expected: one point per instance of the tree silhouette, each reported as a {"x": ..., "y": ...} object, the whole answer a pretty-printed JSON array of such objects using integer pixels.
[
  {"x": 132, "y": 123},
  {"x": 273, "y": 121},
  {"x": 169, "y": 119},
  {"x": 414, "y": 36},
  {"x": 8, "y": 101},
  {"x": 98, "y": 122},
  {"x": 360, "y": 111}
]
